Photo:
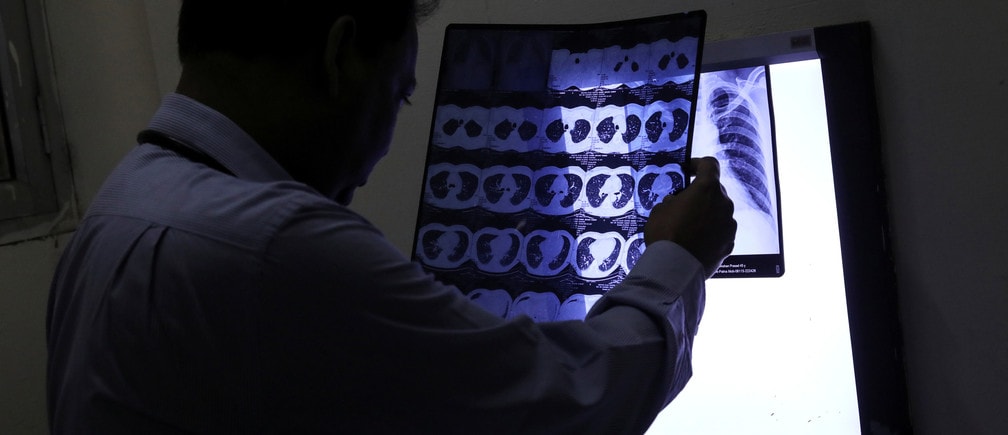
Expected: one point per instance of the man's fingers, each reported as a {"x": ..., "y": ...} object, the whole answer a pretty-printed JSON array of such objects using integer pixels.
[{"x": 704, "y": 167}]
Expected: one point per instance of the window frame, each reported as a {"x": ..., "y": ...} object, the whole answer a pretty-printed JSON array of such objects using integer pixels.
[{"x": 39, "y": 200}]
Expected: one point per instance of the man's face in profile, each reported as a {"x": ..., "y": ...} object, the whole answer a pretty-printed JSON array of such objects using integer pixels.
[{"x": 369, "y": 98}]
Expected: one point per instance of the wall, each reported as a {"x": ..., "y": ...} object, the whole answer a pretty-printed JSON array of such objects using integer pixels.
[
  {"x": 941, "y": 72},
  {"x": 940, "y": 69}
]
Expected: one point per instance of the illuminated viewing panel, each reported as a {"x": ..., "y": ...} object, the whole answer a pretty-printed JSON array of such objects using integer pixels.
[{"x": 774, "y": 355}]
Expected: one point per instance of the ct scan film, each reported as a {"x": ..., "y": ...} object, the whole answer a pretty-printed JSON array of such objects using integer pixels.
[{"x": 549, "y": 147}]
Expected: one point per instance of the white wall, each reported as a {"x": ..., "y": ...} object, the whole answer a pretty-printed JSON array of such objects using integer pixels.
[{"x": 941, "y": 71}]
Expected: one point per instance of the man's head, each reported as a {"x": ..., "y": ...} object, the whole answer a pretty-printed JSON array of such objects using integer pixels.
[
  {"x": 286, "y": 29},
  {"x": 317, "y": 83}
]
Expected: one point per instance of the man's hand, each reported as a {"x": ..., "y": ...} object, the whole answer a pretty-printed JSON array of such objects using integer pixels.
[{"x": 699, "y": 218}]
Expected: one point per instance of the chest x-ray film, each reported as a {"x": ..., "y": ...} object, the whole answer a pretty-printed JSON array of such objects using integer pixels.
[
  {"x": 734, "y": 123},
  {"x": 549, "y": 147}
]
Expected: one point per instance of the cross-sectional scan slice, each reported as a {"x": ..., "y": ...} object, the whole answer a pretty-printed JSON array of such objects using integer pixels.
[
  {"x": 523, "y": 61},
  {"x": 610, "y": 130},
  {"x": 626, "y": 66},
  {"x": 598, "y": 254},
  {"x": 451, "y": 186},
  {"x": 495, "y": 301},
  {"x": 632, "y": 251},
  {"x": 558, "y": 191},
  {"x": 568, "y": 130},
  {"x": 609, "y": 192},
  {"x": 496, "y": 250},
  {"x": 468, "y": 60},
  {"x": 576, "y": 306},
  {"x": 547, "y": 253},
  {"x": 674, "y": 61},
  {"x": 515, "y": 129},
  {"x": 666, "y": 124},
  {"x": 540, "y": 307},
  {"x": 654, "y": 183},
  {"x": 579, "y": 70},
  {"x": 443, "y": 247},
  {"x": 463, "y": 127},
  {"x": 507, "y": 189}
]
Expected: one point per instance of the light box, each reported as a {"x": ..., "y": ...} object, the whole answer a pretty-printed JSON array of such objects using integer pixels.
[{"x": 817, "y": 349}]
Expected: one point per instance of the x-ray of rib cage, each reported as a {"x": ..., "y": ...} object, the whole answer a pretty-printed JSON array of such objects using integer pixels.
[
  {"x": 553, "y": 191},
  {"x": 541, "y": 253},
  {"x": 733, "y": 124}
]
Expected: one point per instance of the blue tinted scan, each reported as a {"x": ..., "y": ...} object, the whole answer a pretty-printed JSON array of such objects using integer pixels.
[{"x": 549, "y": 147}]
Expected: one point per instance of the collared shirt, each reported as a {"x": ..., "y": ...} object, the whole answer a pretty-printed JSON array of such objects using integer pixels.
[{"x": 191, "y": 300}]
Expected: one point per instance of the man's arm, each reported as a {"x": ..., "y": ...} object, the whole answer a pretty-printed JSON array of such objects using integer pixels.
[{"x": 359, "y": 332}]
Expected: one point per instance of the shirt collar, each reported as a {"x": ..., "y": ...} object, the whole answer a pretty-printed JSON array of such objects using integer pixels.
[{"x": 209, "y": 131}]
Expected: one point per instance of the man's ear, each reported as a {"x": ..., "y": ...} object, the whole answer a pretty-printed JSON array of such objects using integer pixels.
[{"x": 339, "y": 47}]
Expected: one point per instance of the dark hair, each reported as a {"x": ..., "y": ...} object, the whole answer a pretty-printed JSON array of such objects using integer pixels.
[{"x": 290, "y": 28}]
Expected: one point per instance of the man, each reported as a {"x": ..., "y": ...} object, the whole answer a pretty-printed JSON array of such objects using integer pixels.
[{"x": 218, "y": 283}]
